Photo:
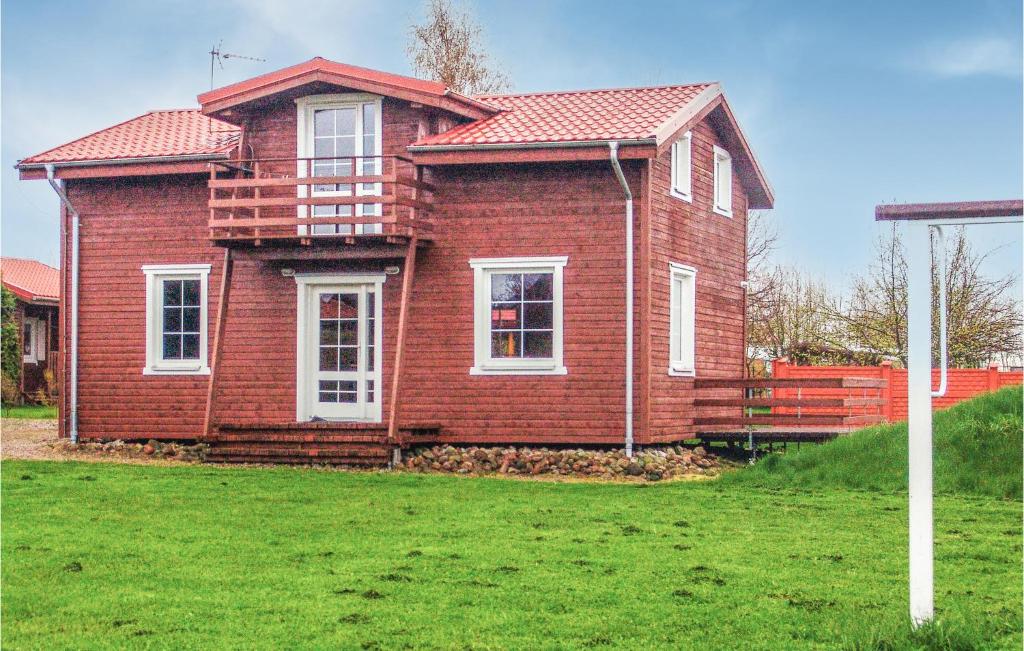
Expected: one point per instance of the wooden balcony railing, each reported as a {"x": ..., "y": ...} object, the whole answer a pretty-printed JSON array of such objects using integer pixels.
[{"x": 299, "y": 200}]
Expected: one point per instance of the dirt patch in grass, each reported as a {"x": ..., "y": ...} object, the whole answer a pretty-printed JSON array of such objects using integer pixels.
[{"x": 36, "y": 440}]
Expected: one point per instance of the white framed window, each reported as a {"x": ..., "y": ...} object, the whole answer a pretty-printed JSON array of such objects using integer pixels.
[
  {"x": 176, "y": 319},
  {"x": 682, "y": 171},
  {"x": 518, "y": 316},
  {"x": 723, "y": 182},
  {"x": 682, "y": 320},
  {"x": 340, "y": 135},
  {"x": 33, "y": 340}
]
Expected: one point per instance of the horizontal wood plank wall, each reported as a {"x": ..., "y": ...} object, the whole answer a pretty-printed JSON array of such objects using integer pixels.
[
  {"x": 488, "y": 211},
  {"x": 692, "y": 234},
  {"x": 127, "y": 223}
]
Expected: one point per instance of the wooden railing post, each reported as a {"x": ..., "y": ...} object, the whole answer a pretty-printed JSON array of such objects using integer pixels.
[
  {"x": 780, "y": 369},
  {"x": 885, "y": 372}
]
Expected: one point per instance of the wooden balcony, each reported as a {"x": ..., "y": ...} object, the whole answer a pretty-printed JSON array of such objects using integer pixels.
[{"x": 367, "y": 203}]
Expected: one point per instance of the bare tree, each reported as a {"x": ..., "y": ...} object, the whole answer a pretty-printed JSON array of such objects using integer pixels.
[
  {"x": 448, "y": 47},
  {"x": 984, "y": 319},
  {"x": 789, "y": 316}
]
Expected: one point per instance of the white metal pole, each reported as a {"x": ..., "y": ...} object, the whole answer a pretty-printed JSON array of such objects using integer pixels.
[{"x": 919, "y": 421}]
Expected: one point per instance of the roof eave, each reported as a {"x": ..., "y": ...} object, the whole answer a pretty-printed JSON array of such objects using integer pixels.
[
  {"x": 21, "y": 165},
  {"x": 555, "y": 144}
]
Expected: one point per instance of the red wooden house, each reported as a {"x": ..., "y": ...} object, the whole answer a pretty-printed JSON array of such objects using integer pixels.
[
  {"x": 326, "y": 261},
  {"x": 36, "y": 288}
]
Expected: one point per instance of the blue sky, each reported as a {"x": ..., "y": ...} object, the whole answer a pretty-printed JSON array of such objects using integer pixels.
[{"x": 847, "y": 104}]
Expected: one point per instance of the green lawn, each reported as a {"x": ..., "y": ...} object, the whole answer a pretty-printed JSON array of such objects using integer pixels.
[
  {"x": 28, "y": 411},
  {"x": 105, "y": 555}
]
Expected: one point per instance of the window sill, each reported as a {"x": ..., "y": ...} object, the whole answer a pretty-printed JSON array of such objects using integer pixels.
[
  {"x": 724, "y": 213},
  {"x": 28, "y": 360},
  {"x": 674, "y": 372},
  {"x": 199, "y": 370},
  {"x": 518, "y": 370},
  {"x": 688, "y": 198}
]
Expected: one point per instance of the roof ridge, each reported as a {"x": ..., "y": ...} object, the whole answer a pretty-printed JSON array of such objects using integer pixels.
[
  {"x": 11, "y": 257},
  {"x": 581, "y": 91}
]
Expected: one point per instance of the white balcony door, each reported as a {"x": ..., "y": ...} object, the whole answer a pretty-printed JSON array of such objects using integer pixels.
[
  {"x": 344, "y": 139},
  {"x": 340, "y": 351}
]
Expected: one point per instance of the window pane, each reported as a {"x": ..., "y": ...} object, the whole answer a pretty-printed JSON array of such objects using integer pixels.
[
  {"x": 347, "y": 392},
  {"x": 329, "y": 306},
  {"x": 538, "y": 344},
  {"x": 322, "y": 148},
  {"x": 172, "y": 346},
  {"x": 345, "y": 147},
  {"x": 505, "y": 316},
  {"x": 329, "y": 358},
  {"x": 349, "y": 306},
  {"x": 190, "y": 319},
  {"x": 348, "y": 358},
  {"x": 172, "y": 292},
  {"x": 538, "y": 315},
  {"x": 348, "y": 331},
  {"x": 190, "y": 346},
  {"x": 328, "y": 397},
  {"x": 172, "y": 319},
  {"x": 506, "y": 287},
  {"x": 328, "y": 385},
  {"x": 27, "y": 338},
  {"x": 323, "y": 123},
  {"x": 328, "y": 333},
  {"x": 505, "y": 344},
  {"x": 346, "y": 124},
  {"x": 369, "y": 391},
  {"x": 190, "y": 292},
  {"x": 538, "y": 287}
]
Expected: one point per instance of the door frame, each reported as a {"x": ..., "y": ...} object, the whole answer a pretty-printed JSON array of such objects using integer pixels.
[{"x": 306, "y": 284}]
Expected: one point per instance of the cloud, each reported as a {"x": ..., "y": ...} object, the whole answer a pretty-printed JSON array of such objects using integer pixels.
[{"x": 991, "y": 56}]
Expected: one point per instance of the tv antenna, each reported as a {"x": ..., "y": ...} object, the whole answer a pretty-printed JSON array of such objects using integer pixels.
[{"x": 217, "y": 58}]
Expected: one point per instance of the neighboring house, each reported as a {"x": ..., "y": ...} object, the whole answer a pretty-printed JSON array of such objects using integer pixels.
[
  {"x": 334, "y": 253},
  {"x": 37, "y": 289}
]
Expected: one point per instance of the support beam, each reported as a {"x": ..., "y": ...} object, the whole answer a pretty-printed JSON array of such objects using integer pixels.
[
  {"x": 408, "y": 269},
  {"x": 919, "y": 425},
  {"x": 218, "y": 339}
]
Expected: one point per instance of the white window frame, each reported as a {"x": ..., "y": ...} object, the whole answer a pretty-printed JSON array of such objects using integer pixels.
[
  {"x": 483, "y": 269},
  {"x": 37, "y": 340},
  {"x": 306, "y": 106},
  {"x": 722, "y": 199},
  {"x": 682, "y": 157},
  {"x": 155, "y": 364},
  {"x": 682, "y": 356},
  {"x": 306, "y": 283}
]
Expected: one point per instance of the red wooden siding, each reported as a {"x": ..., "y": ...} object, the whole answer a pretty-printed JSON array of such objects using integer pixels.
[
  {"x": 692, "y": 234},
  {"x": 572, "y": 209},
  {"x": 963, "y": 384}
]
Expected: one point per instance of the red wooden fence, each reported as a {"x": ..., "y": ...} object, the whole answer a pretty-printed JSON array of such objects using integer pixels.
[{"x": 963, "y": 383}]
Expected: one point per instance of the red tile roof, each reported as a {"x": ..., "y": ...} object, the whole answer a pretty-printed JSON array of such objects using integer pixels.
[
  {"x": 157, "y": 134},
  {"x": 319, "y": 69},
  {"x": 30, "y": 279},
  {"x": 614, "y": 114}
]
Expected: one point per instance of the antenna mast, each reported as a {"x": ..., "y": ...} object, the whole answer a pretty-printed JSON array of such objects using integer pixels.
[{"x": 217, "y": 57}]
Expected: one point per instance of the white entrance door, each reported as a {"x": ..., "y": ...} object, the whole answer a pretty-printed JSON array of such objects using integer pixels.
[{"x": 341, "y": 352}]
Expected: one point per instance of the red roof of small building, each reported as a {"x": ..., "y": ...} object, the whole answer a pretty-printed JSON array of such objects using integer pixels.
[
  {"x": 30, "y": 280},
  {"x": 157, "y": 134},
  {"x": 587, "y": 115}
]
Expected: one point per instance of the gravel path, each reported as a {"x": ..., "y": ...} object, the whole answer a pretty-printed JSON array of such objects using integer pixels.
[{"x": 24, "y": 438}]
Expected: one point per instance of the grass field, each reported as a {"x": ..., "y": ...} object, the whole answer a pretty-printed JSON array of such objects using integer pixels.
[
  {"x": 28, "y": 411},
  {"x": 794, "y": 554},
  {"x": 99, "y": 555}
]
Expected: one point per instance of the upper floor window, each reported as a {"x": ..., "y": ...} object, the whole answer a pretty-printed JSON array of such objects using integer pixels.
[
  {"x": 518, "y": 315},
  {"x": 681, "y": 167},
  {"x": 723, "y": 182},
  {"x": 682, "y": 320},
  {"x": 340, "y": 135},
  {"x": 176, "y": 319}
]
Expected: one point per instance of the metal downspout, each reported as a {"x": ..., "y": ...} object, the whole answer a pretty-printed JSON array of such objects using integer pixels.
[
  {"x": 614, "y": 151},
  {"x": 73, "y": 390}
]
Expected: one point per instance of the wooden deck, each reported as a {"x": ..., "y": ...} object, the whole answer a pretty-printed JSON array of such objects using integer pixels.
[{"x": 727, "y": 409}]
